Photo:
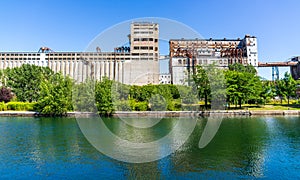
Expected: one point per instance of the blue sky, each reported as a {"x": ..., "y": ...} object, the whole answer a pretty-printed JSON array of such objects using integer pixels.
[{"x": 71, "y": 25}]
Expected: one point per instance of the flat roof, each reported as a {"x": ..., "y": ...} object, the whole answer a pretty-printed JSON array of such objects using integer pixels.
[{"x": 205, "y": 39}]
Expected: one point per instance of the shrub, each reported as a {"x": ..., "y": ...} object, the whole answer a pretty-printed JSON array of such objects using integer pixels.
[
  {"x": 5, "y": 94},
  {"x": 138, "y": 106},
  {"x": 122, "y": 106},
  {"x": 141, "y": 106},
  {"x": 174, "y": 106},
  {"x": 20, "y": 106},
  {"x": 3, "y": 106}
]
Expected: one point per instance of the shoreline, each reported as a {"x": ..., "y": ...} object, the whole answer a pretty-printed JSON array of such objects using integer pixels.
[{"x": 160, "y": 114}]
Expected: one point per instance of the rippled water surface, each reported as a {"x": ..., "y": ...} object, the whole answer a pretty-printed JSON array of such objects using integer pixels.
[{"x": 41, "y": 148}]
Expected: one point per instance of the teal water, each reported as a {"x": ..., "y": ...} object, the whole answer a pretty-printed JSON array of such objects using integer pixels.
[{"x": 54, "y": 148}]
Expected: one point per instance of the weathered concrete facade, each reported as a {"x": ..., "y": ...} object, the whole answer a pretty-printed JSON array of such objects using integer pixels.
[
  {"x": 186, "y": 54},
  {"x": 138, "y": 64}
]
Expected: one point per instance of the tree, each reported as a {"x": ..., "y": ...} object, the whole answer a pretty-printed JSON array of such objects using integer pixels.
[
  {"x": 268, "y": 91},
  {"x": 242, "y": 84},
  {"x": 103, "y": 97},
  {"x": 5, "y": 94},
  {"x": 55, "y": 96},
  {"x": 25, "y": 81},
  {"x": 84, "y": 96},
  {"x": 157, "y": 103},
  {"x": 218, "y": 87},
  {"x": 241, "y": 68},
  {"x": 202, "y": 84},
  {"x": 287, "y": 87},
  {"x": 210, "y": 83}
]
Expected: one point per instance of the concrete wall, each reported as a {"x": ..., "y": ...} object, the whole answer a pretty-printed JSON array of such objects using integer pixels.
[{"x": 141, "y": 72}]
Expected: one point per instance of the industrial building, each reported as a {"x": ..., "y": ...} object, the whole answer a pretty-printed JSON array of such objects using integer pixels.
[
  {"x": 137, "y": 64},
  {"x": 186, "y": 54}
]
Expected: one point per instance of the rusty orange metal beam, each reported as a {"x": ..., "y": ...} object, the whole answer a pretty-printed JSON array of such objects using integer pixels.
[{"x": 279, "y": 64}]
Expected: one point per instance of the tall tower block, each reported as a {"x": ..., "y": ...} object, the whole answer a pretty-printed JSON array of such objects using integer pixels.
[{"x": 144, "y": 49}]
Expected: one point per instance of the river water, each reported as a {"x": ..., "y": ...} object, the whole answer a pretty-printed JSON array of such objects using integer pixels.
[{"x": 51, "y": 148}]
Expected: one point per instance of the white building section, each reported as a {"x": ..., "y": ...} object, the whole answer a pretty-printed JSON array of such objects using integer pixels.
[{"x": 165, "y": 78}]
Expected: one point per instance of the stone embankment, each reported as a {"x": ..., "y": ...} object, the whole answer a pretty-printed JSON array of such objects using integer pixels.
[{"x": 159, "y": 114}]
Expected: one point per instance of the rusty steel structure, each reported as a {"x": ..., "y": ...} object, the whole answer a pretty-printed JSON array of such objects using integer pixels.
[
  {"x": 45, "y": 50},
  {"x": 294, "y": 65},
  {"x": 277, "y": 64},
  {"x": 185, "y": 54}
]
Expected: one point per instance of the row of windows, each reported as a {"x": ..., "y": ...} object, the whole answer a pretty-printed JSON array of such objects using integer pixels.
[
  {"x": 142, "y": 59},
  {"x": 142, "y": 54},
  {"x": 38, "y": 59},
  {"x": 63, "y": 58},
  {"x": 148, "y": 28},
  {"x": 19, "y": 54},
  {"x": 165, "y": 76},
  {"x": 165, "y": 82},
  {"x": 42, "y": 62},
  {"x": 54, "y": 54},
  {"x": 145, "y": 39},
  {"x": 143, "y": 48},
  {"x": 20, "y": 58},
  {"x": 24, "y": 62},
  {"x": 87, "y": 54},
  {"x": 143, "y": 32},
  {"x": 183, "y": 62}
]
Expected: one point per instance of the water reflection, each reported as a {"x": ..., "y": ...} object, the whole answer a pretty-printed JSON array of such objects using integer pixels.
[{"x": 242, "y": 148}]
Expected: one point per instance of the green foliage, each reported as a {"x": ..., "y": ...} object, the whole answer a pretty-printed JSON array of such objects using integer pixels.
[
  {"x": 210, "y": 84},
  {"x": 17, "y": 106},
  {"x": 202, "y": 84},
  {"x": 157, "y": 103},
  {"x": 55, "y": 96},
  {"x": 53, "y": 92},
  {"x": 21, "y": 106},
  {"x": 3, "y": 106},
  {"x": 25, "y": 81},
  {"x": 103, "y": 97},
  {"x": 242, "y": 85},
  {"x": 187, "y": 95},
  {"x": 268, "y": 91},
  {"x": 174, "y": 106},
  {"x": 138, "y": 106},
  {"x": 84, "y": 96},
  {"x": 241, "y": 68},
  {"x": 286, "y": 87},
  {"x": 123, "y": 105}
]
